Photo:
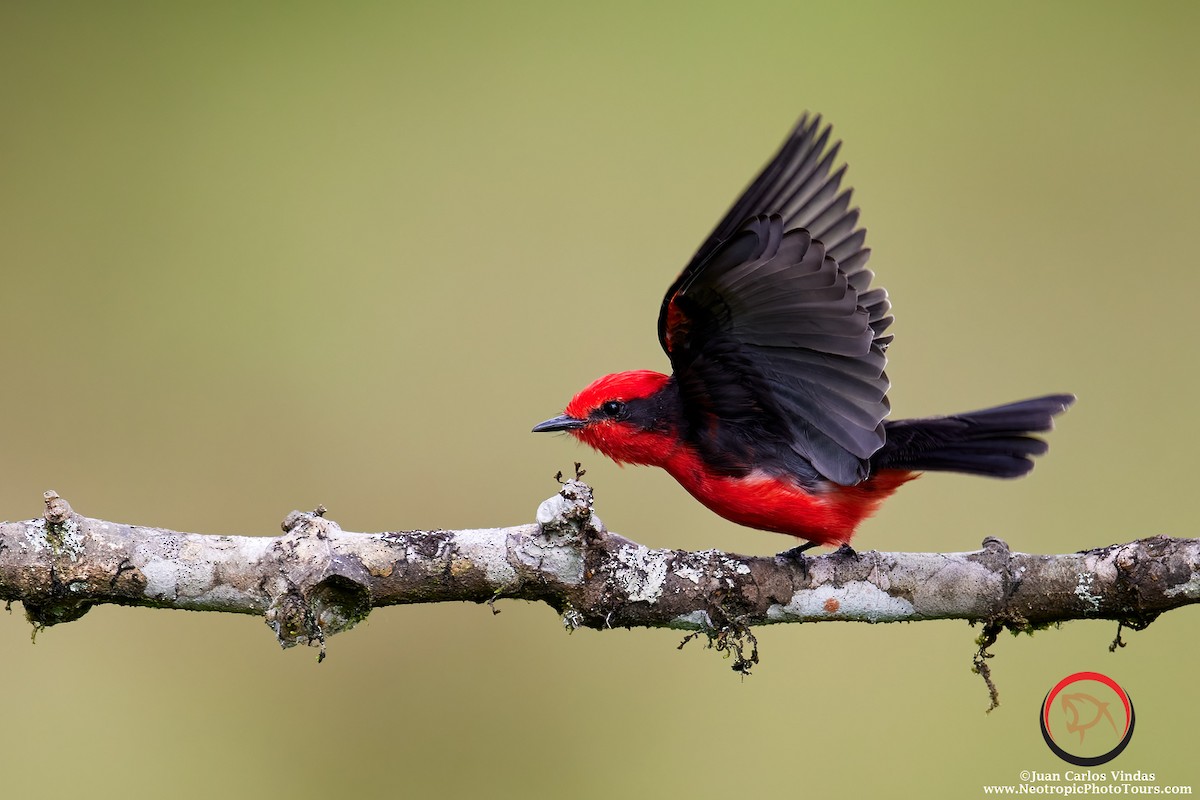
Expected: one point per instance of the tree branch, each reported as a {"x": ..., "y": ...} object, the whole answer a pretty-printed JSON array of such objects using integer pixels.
[{"x": 316, "y": 580}]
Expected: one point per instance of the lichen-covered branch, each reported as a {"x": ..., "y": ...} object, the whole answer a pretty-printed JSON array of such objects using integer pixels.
[{"x": 316, "y": 580}]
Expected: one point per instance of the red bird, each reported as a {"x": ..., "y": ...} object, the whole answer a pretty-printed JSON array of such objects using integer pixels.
[{"x": 773, "y": 415}]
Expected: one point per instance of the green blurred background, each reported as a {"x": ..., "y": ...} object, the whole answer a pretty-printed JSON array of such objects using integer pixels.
[{"x": 258, "y": 257}]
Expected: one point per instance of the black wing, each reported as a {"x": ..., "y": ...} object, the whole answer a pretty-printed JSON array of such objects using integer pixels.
[{"x": 774, "y": 334}]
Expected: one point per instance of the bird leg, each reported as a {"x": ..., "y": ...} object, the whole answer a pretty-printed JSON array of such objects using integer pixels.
[{"x": 797, "y": 553}]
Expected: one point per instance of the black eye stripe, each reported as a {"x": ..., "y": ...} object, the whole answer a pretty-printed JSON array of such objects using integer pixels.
[{"x": 613, "y": 409}]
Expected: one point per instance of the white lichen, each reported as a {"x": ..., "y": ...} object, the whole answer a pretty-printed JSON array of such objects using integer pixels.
[
  {"x": 562, "y": 560},
  {"x": 645, "y": 572},
  {"x": 1083, "y": 590},
  {"x": 854, "y": 600},
  {"x": 35, "y": 533},
  {"x": 63, "y": 537},
  {"x": 734, "y": 566},
  {"x": 488, "y": 550},
  {"x": 1189, "y": 589},
  {"x": 162, "y": 577}
]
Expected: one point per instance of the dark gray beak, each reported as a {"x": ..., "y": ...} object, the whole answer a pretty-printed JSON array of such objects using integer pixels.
[{"x": 561, "y": 423}]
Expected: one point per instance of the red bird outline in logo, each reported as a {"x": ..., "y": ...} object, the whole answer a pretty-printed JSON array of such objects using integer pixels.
[{"x": 1071, "y": 706}]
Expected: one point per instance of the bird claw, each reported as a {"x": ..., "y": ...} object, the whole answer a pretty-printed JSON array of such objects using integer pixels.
[
  {"x": 797, "y": 557},
  {"x": 846, "y": 551}
]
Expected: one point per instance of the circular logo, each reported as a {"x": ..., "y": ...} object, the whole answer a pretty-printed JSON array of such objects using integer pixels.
[{"x": 1087, "y": 719}]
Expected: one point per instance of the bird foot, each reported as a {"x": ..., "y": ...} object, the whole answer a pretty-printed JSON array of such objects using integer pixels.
[
  {"x": 797, "y": 553},
  {"x": 797, "y": 557}
]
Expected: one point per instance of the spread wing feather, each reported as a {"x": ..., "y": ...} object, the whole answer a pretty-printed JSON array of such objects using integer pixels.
[{"x": 774, "y": 334}]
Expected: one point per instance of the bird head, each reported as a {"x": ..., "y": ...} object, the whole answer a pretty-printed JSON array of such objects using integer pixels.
[{"x": 627, "y": 416}]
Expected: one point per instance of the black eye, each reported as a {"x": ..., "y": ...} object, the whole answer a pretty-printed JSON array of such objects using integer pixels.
[{"x": 613, "y": 409}]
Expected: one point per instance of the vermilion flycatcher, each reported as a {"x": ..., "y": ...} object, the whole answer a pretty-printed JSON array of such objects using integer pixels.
[{"x": 773, "y": 415}]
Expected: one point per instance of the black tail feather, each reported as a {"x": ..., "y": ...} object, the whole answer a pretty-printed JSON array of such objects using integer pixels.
[{"x": 997, "y": 442}]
